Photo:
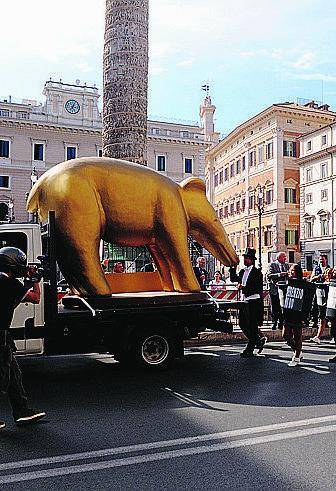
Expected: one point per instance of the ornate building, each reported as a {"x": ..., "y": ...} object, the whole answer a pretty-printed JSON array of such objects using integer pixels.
[
  {"x": 68, "y": 124},
  {"x": 255, "y": 170},
  {"x": 318, "y": 195}
]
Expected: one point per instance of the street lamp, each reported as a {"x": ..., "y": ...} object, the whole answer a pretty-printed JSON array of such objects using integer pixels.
[
  {"x": 33, "y": 180},
  {"x": 260, "y": 206}
]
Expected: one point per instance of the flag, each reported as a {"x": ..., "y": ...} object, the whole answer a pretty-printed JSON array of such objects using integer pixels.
[{"x": 206, "y": 87}]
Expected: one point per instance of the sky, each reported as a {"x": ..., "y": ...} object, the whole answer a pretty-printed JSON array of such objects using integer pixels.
[{"x": 252, "y": 53}]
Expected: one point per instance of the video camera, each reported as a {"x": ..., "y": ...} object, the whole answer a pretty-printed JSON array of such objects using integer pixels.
[{"x": 36, "y": 271}]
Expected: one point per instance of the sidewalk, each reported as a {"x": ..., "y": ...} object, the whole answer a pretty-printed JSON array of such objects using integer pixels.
[{"x": 218, "y": 338}]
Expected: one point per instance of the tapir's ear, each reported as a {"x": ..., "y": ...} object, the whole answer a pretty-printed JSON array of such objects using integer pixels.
[{"x": 193, "y": 184}]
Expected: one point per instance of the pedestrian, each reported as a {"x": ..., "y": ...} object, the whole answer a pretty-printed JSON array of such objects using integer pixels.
[
  {"x": 251, "y": 314},
  {"x": 118, "y": 268},
  {"x": 277, "y": 271},
  {"x": 217, "y": 283},
  {"x": 201, "y": 273},
  {"x": 321, "y": 275},
  {"x": 13, "y": 265},
  {"x": 292, "y": 331}
]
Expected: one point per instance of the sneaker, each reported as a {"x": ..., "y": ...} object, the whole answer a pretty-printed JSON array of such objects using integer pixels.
[
  {"x": 315, "y": 339},
  {"x": 332, "y": 360},
  {"x": 294, "y": 362},
  {"x": 261, "y": 346},
  {"x": 31, "y": 416},
  {"x": 332, "y": 341},
  {"x": 2, "y": 425}
]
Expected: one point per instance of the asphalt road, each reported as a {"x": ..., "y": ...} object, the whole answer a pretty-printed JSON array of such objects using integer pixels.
[{"x": 215, "y": 421}]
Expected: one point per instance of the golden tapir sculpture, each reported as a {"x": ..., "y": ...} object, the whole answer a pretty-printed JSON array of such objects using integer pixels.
[{"x": 129, "y": 205}]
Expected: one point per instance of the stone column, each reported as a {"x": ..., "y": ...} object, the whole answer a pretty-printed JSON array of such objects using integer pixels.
[{"x": 126, "y": 80}]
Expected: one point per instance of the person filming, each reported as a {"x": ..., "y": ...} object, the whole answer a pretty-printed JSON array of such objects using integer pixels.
[{"x": 13, "y": 265}]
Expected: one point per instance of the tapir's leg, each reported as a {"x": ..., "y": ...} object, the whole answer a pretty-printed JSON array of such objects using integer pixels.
[
  {"x": 79, "y": 228},
  {"x": 177, "y": 253},
  {"x": 163, "y": 268}
]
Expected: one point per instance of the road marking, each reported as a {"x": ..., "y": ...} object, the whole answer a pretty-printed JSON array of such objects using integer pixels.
[
  {"x": 166, "y": 443},
  {"x": 182, "y": 397},
  {"x": 170, "y": 454}
]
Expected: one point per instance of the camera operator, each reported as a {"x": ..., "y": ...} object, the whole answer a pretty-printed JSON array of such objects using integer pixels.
[{"x": 13, "y": 265}]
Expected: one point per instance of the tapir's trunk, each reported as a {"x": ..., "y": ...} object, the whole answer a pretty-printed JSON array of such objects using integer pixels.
[{"x": 218, "y": 245}]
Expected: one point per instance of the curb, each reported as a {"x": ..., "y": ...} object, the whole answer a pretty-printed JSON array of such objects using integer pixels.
[{"x": 218, "y": 338}]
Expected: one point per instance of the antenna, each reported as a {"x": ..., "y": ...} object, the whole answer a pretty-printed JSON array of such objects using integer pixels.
[{"x": 322, "y": 91}]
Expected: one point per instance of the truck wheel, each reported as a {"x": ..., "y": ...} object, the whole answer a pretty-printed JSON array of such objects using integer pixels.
[{"x": 154, "y": 350}]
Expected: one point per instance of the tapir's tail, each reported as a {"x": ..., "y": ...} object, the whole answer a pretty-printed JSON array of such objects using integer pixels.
[{"x": 33, "y": 202}]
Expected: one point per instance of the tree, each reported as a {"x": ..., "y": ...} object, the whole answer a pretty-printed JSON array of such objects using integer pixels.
[{"x": 126, "y": 80}]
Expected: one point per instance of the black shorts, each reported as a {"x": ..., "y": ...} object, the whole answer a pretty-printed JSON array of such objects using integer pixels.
[{"x": 322, "y": 310}]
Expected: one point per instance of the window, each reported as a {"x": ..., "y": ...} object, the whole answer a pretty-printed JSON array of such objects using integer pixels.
[
  {"x": 289, "y": 121},
  {"x": 324, "y": 225},
  {"x": 261, "y": 154},
  {"x": 4, "y": 149},
  {"x": 221, "y": 177},
  {"x": 4, "y": 112},
  {"x": 238, "y": 241},
  {"x": 289, "y": 149},
  {"x": 71, "y": 153},
  {"x": 100, "y": 152},
  {"x": 238, "y": 166},
  {"x": 291, "y": 257},
  {"x": 216, "y": 180},
  {"x": 269, "y": 196},
  {"x": 251, "y": 201},
  {"x": 232, "y": 173},
  {"x": 309, "y": 229},
  {"x": 155, "y": 131},
  {"x": 309, "y": 175},
  {"x": 161, "y": 163},
  {"x": 38, "y": 151},
  {"x": 291, "y": 237},
  {"x": 324, "y": 170},
  {"x": 268, "y": 237},
  {"x": 232, "y": 209},
  {"x": 324, "y": 195},
  {"x": 252, "y": 158},
  {"x": 324, "y": 140},
  {"x": 226, "y": 174},
  {"x": 4, "y": 182},
  {"x": 309, "y": 145},
  {"x": 250, "y": 239},
  {"x": 243, "y": 163},
  {"x": 238, "y": 207},
  {"x": 220, "y": 213},
  {"x": 243, "y": 204},
  {"x": 226, "y": 211},
  {"x": 269, "y": 150},
  {"x": 290, "y": 195},
  {"x": 188, "y": 165},
  {"x": 309, "y": 198},
  {"x": 184, "y": 134},
  {"x": 22, "y": 115}
]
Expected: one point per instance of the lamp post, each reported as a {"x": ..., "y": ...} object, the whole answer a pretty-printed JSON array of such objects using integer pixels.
[
  {"x": 33, "y": 180},
  {"x": 260, "y": 205}
]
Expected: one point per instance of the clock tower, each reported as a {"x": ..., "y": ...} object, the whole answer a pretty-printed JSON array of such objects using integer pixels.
[{"x": 72, "y": 103}]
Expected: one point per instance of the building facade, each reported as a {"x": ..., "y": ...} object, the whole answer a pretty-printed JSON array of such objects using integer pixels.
[
  {"x": 34, "y": 137},
  {"x": 318, "y": 195},
  {"x": 254, "y": 172}
]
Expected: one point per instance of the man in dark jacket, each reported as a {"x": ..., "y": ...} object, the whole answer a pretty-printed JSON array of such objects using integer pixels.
[
  {"x": 13, "y": 265},
  {"x": 277, "y": 272},
  {"x": 201, "y": 273},
  {"x": 251, "y": 314}
]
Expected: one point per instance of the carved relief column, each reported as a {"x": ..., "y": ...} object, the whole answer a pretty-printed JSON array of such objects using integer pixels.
[{"x": 126, "y": 80}]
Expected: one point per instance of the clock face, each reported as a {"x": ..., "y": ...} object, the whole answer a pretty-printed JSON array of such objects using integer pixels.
[{"x": 72, "y": 106}]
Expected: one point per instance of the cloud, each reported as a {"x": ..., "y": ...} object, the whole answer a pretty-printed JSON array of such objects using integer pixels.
[
  {"x": 185, "y": 63},
  {"x": 305, "y": 61}
]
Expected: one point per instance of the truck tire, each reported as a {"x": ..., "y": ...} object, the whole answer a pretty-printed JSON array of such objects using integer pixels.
[{"x": 154, "y": 349}]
